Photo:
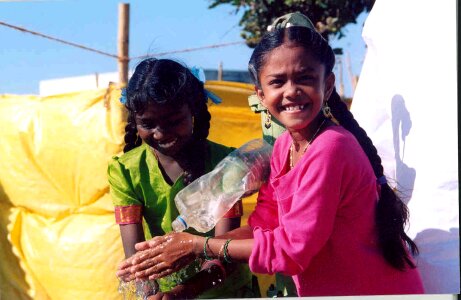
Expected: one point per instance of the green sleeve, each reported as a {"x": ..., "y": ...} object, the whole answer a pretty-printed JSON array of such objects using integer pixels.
[{"x": 121, "y": 187}]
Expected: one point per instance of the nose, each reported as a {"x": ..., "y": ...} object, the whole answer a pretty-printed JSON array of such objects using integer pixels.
[
  {"x": 158, "y": 133},
  {"x": 291, "y": 91}
]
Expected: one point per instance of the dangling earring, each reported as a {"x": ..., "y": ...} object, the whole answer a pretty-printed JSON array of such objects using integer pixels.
[
  {"x": 327, "y": 111},
  {"x": 268, "y": 120}
]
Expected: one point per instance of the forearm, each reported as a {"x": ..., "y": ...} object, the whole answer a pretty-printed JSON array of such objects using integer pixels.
[
  {"x": 244, "y": 232},
  {"x": 131, "y": 234},
  {"x": 238, "y": 250}
]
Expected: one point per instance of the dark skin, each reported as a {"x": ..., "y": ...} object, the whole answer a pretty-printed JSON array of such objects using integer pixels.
[
  {"x": 294, "y": 86},
  {"x": 183, "y": 248},
  {"x": 168, "y": 130}
]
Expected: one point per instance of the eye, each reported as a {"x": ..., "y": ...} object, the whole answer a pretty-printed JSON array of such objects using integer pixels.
[
  {"x": 276, "y": 82},
  {"x": 176, "y": 121},
  {"x": 306, "y": 78},
  {"x": 147, "y": 125}
]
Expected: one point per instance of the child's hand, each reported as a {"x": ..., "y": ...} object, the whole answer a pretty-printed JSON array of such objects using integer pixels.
[
  {"x": 163, "y": 255},
  {"x": 179, "y": 292},
  {"x": 123, "y": 270}
]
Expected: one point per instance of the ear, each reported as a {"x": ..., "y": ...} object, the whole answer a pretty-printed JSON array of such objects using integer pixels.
[
  {"x": 260, "y": 94},
  {"x": 329, "y": 85}
]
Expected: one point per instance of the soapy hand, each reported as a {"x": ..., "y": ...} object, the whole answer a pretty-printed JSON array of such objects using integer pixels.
[
  {"x": 160, "y": 256},
  {"x": 123, "y": 270}
]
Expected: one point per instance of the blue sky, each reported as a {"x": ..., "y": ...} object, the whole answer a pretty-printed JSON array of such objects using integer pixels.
[{"x": 155, "y": 27}]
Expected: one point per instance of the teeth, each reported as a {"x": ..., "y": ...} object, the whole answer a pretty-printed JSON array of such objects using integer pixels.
[
  {"x": 293, "y": 108},
  {"x": 166, "y": 145}
]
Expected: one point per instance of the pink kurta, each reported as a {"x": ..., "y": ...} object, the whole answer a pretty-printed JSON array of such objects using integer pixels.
[{"x": 316, "y": 222}]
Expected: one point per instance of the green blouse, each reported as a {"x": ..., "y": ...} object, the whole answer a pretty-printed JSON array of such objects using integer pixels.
[{"x": 136, "y": 179}]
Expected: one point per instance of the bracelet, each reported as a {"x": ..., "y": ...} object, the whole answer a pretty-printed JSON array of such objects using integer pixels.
[
  {"x": 204, "y": 248},
  {"x": 221, "y": 252},
  {"x": 226, "y": 254}
]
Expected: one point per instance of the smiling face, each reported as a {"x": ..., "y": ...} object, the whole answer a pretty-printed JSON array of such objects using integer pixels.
[
  {"x": 166, "y": 128},
  {"x": 293, "y": 86}
]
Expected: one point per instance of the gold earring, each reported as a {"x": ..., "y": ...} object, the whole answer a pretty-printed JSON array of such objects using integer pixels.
[
  {"x": 327, "y": 111},
  {"x": 268, "y": 120}
]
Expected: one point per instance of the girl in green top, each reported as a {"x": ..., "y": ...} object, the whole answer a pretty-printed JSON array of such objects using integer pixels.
[{"x": 166, "y": 149}]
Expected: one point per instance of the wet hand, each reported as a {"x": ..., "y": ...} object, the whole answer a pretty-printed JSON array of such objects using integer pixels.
[
  {"x": 123, "y": 270},
  {"x": 163, "y": 255},
  {"x": 179, "y": 292}
]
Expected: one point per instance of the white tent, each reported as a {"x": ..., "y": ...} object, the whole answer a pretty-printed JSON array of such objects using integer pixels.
[{"x": 406, "y": 100}]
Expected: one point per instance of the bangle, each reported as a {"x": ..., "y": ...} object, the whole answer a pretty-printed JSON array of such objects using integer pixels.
[
  {"x": 221, "y": 251},
  {"x": 204, "y": 248},
  {"x": 226, "y": 254}
]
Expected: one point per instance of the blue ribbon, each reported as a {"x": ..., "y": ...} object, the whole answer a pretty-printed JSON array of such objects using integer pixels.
[
  {"x": 123, "y": 96},
  {"x": 200, "y": 75}
]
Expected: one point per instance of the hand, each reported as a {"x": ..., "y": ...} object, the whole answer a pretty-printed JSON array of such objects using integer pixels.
[
  {"x": 162, "y": 255},
  {"x": 124, "y": 270},
  {"x": 179, "y": 292},
  {"x": 159, "y": 296}
]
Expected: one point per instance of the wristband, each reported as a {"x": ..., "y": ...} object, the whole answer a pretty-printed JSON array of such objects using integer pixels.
[{"x": 226, "y": 254}]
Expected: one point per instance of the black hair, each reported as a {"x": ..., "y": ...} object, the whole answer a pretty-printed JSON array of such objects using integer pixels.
[
  {"x": 167, "y": 82},
  {"x": 302, "y": 36},
  {"x": 391, "y": 212}
]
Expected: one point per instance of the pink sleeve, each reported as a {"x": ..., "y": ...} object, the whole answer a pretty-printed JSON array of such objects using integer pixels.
[
  {"x": 308, "y": 211},
  {"x": 265, "y": 214}
]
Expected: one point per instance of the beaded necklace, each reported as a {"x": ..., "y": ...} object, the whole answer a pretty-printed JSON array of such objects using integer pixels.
[{"x": 307, "y": 146}]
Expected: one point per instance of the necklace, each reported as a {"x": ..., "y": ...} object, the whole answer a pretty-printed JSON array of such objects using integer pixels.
[{"x": 307, "y": 146}]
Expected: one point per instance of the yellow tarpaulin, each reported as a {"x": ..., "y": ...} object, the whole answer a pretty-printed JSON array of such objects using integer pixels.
[{"x": 58, "y": 237}]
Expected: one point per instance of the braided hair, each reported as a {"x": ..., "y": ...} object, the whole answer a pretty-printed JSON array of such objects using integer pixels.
[
  {"x": 391, "y": 212},
  {"x": 166, "y": 82}
]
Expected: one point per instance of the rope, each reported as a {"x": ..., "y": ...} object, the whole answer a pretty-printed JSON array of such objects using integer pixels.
[
  {"x": 187, "y": 50},
  {"x": 113, "y": 55},
  {"x": 59, "y": 40}
]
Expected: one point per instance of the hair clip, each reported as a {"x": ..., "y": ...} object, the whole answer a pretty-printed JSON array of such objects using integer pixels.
[
  {"x": 291, "y": 19},
  {"x": 123, "y": 96}
]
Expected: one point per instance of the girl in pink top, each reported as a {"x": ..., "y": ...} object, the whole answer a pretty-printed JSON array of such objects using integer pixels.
[{"x": 326, "y": 216}]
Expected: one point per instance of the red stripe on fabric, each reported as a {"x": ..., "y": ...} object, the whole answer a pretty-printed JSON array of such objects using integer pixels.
[{"x": 130, "y": 214}]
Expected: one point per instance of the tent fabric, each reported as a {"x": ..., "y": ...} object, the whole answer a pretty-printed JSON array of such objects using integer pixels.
[
  {"x": 406, "y": 100},
  {"x": 58, "y": 237}
]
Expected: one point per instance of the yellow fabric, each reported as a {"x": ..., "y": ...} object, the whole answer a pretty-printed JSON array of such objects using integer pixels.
[{"x": 58, "y": 237}]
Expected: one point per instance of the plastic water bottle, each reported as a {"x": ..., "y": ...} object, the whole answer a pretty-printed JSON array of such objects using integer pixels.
[{"x": 202, "y": 203}]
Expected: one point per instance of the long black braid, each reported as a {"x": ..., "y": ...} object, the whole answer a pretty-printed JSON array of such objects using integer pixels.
[
  {"x": 132, "y": 139},
  {"x": 165, "y": 81},
  {"x": 391, "y": 212}
]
